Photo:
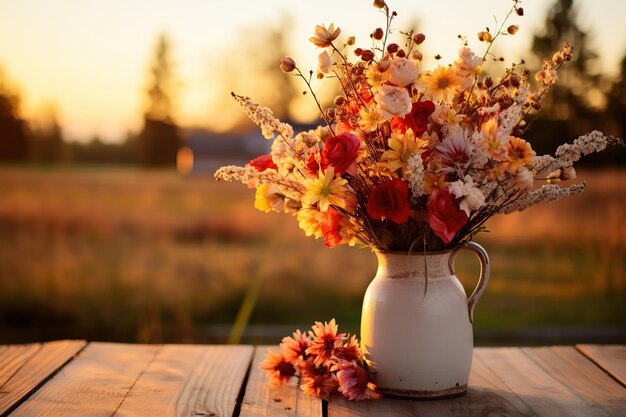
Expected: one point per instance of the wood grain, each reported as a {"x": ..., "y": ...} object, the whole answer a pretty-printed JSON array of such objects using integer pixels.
[
  {"x": 185, "y": 380},
  {"x": 261, "y": 399},
  {"x": 24, "y": 367},
  {"x": 583, "y": 377},
  {"x": 542, "y": 392},
  {"x": 93, "y": 384},
  {"x": 611, "y": 358}
]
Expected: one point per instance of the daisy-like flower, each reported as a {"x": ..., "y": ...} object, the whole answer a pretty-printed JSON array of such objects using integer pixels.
[
  {"x": 370, "y": 118},
  {"x": 316, "y": 381},
  {"x": 456, "y": 152},
  {"x": 354, "y": 382},
  {"x": 403, "y": 147},
  {"x": 325, "y": 340},
  {"x": 326, "y": 190},
  {"x": 441, "y": 84},
  {"x": 434, "y": 182},
  {"x": 278, "y": 369},
  {"x": 494, "y": 143},
  {"x": 294, "y": 348},
  {"x": 269, "y": 197},
  {"x": 310, "y": 220},
  {"x": 350, "y": 351},
  {"x": 324, "y": 36},
  {"x": 376, "y": 77},
  {"x": 520, "y": 154}
]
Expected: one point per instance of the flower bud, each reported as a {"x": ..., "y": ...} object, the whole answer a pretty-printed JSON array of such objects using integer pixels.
[
  {"x": 512, "y": 30},
  {"x": 485, "y": 36},
  {"x": 515, "y": 80},
  {"x": 392, "y": 48},
  {"x": 358, "y": 51},
  {"x": 351, "y": 40},
  {"x": 401, "y": 53},
  {"x": 367, "y": 55},
  {"x": 417, "y": 55},
  {"x": 339, "y": 100},
  {"x": 557, "y": 58},
  {"x": 378, "y": 34},
  {"x": 287, "y": 64},
  {"x": 383, "y": 64},
  {"x": 520, "y": 11},
  {"x": 488, "y": 82},
  {"x": 379, "y": 4},
  {"x": 418, "y": 38}
]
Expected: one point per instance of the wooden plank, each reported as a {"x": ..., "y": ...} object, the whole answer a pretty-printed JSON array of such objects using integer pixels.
[
  {"x": 544, "y": 394},
  {"x": 261, "y": 399},
  {"x": 485, "y": 393},
  {"x": 611, "y": 358},
  {"x": 589, "y": 382},
  {"x": 25, "y": 367},
  {"x": 93, "y": 384},
  {"x": 185, "y": 380}
]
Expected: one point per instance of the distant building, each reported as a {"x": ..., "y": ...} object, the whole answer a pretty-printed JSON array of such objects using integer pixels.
[{"x": 204, "y": 152}]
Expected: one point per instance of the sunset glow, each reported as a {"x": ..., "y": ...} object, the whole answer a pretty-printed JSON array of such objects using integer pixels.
[{"x": 89, "y": 60}]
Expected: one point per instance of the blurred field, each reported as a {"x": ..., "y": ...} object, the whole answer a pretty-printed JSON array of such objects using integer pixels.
[{"x": 126, "y": 255}]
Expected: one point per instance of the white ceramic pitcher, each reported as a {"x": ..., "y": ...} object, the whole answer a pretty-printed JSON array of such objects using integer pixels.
[{"x": 416, "y": 323}]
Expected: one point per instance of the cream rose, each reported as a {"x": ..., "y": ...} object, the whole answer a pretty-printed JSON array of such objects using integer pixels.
[
  {"x": 403, "y": 72},
  {"x": 393, "y": 101}
]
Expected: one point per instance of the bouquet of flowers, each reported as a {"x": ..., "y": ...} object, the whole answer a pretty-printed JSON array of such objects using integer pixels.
[{"x": 410, "y": 158}]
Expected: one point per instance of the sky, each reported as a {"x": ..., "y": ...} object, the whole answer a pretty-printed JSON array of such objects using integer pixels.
[{"x": 88, "y": 60}]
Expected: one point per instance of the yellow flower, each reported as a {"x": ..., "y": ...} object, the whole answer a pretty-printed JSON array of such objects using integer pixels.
[
  {"x": 375, "y": 77},
  {"x": 268, "y": 198},
  {"x": 370, "y": 119},
  {"x": 441, "y": 84},
  {"x": 309, "y": 220},
  {"x": 434, "y": 182},
  {"x": 323, "y": 36},
  {"x": 520, "y": 154},
  {"x": 494, "y": 143},
  {"x": 403, "y": 147},
  {"x": 326, "y": 190}
]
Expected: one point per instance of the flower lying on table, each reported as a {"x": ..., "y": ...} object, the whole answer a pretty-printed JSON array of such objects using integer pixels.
[
  {"x": 325, "y": 362},
  {"x": 410, "y": 158}
]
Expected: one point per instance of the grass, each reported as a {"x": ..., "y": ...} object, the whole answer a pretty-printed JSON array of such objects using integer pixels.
[{"x": 126, "y": 255}]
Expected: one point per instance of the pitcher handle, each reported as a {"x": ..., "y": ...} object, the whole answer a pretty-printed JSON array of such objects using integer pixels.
[{"x": 484, "y": 273}]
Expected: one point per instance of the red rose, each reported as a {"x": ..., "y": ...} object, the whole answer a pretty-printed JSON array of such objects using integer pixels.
[
  {"x": 331, "y": 228},
  {"x": 390, "y": 200},
  {"x": 444, "y": 215},
  {"x": 263, "y": 162},
  {"x": 340, "y": 152},
  {"x": 417, "y": 119}
]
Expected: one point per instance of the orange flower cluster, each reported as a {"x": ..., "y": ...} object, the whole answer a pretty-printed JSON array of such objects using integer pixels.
[{"x": 325, "y": 361}]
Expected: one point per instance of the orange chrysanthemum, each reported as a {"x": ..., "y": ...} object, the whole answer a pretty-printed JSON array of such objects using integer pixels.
[
  {"x": 520, "y": 153},
  {"x": 279, "y": 370},
  {"x": 354, "y": 382},
  {"x": 325, "y": 340},
  {"x": 294, "y": 348}
]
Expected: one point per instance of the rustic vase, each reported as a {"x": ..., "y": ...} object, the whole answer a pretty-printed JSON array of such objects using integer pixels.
[{"x": 416, "y": 323}]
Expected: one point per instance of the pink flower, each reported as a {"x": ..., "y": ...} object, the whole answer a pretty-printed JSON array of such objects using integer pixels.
[
  {"x": 350, "y": 351},
  {"x": 390, "y": 200},
  {"x": 279, "y": 370},
  {"x": 403, "y": 72},
  {"x": 393, "y": 101},
  {"x": 444, "y": 215},
  {"x": 325, "y": 339},
  {"x": 354, "y": 382},
  {"x": 294, "y": 348},
  {"x": 456, "y": 151}
]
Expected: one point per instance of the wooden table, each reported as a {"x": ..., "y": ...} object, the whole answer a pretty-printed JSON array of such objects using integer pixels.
[{"x": 76, "y": 378}]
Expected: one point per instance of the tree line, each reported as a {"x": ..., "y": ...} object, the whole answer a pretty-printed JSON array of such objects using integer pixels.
[{"x": 582, "y": 100}]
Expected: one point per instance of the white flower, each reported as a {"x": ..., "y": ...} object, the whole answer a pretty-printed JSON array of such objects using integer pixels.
[
  {"x": 324, "y": 63},
  {"x": 393, "y": 101},
  {"x": 467, "y": 62},
  {"x": 523, "y": 179},
  {"x": 473, "y": 198},
  {"x": 403, "y": 72},
  {"x": 445, "y": 115}
]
